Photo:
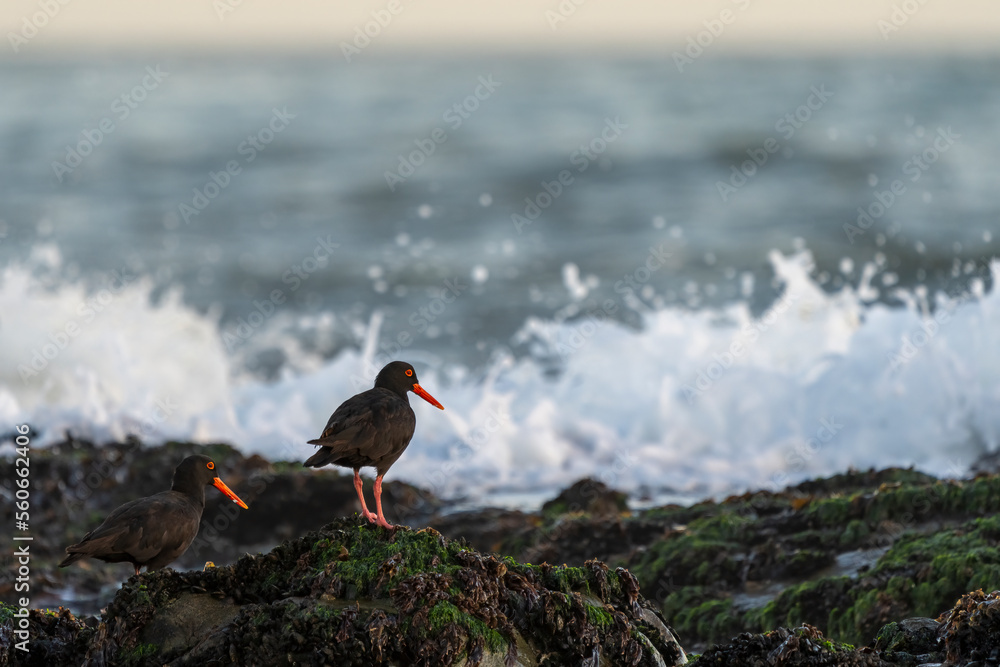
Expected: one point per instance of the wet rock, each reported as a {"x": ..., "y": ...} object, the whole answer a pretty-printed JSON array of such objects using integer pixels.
[
  {"x": 55, "y": 638},
  {"x": 804, "y": 646},
  {"x": 187, "y": 620},
  {"x": 971, "y": 630},
  {"x": 351, "y": 594},
  {"x": 489, "y": 529},
  {"x": 848, "y": 554},
  {"x": 76, "y": 483},
  {"x": 847, "y": 563},
  {"x": 588, "y": 496},
  {"x": 861, "y": 480},
  {"x": 912, "y": 641}
]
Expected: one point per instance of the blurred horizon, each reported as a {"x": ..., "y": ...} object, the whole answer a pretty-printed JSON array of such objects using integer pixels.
[{"x": 46, "y": 27}]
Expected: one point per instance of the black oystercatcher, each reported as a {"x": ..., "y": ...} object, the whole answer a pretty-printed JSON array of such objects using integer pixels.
[
  {"x": 372, "y": 428},
  {"x": 154, "y": 531}
]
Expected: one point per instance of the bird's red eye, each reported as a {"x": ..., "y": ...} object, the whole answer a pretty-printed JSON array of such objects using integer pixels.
[
  {"x": 409, "y": 372},
  {"x": 210, "y": 465}
]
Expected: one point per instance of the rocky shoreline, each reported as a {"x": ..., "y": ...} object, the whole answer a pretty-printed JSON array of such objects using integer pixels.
[{"x": 862, "y": 568}]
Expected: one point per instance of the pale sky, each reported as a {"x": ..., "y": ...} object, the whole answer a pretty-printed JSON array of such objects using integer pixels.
[{"x": 623, "y": 25}]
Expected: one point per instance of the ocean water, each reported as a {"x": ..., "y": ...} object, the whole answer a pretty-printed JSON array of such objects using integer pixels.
[{"x": 692, "y": 283}]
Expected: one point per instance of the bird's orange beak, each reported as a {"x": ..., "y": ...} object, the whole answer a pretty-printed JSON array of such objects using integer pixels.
[
  {"x": 419, "y": 391},
  {"x": 221, "y": 486}
]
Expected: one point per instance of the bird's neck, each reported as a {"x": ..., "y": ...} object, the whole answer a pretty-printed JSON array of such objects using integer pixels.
[
  {"x": 193, "y": 490},
  {"x": 403, "y": 394}
]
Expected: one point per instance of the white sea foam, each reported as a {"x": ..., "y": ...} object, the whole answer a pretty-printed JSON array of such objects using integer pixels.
[{"x": 696, "y": 402}]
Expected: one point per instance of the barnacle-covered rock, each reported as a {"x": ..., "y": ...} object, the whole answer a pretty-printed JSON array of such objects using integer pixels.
[
  {"x": 353, "y": 594},
  {"x": 804, "y": 646},
  {"x": 971, "y": 629}
]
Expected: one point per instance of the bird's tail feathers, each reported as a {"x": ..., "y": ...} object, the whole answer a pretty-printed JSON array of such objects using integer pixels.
[
  {"x": 322, "y": 456},
  {"x": 71, "y": 558}
]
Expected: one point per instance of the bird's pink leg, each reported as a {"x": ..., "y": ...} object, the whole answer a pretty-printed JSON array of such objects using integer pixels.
[
  {"x": 364, "y": 508},
  {"x": 378, "y": 505}
]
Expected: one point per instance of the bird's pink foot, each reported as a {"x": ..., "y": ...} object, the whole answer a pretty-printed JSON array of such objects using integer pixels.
[{"x": 385, "y": 524}]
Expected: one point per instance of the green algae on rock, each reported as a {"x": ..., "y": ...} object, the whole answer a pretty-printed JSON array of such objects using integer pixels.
[
  {"x": 804, "y": 646},
  {"x": 846, "y": 563},
  {"x": 846, "y": 554},
  {"x": 352, "y": 594},
  {"x": 910, "y": 642},
  {"x": 589, "y": 496},
  {"x": 920, "y": 575}
]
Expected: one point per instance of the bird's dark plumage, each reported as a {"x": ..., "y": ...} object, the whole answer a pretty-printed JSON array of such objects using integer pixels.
[
  {"x": 154, "y": 531},
  {"x": 372, "y": 428}
]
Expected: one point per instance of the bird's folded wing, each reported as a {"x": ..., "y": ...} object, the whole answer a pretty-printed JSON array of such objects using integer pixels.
[
  {"x": 336, "y": 434},
  {"x": 353, "y": 418},
  {"x": 134, "y": 528}
]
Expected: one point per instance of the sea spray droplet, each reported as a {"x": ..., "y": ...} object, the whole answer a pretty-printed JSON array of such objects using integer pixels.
[{"x": 571, "y": 280}]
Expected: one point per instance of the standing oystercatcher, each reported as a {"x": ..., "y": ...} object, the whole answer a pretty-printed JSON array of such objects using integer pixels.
[
  {"x": 154, "y": 531},
  {"x": 372, "y": 428}
]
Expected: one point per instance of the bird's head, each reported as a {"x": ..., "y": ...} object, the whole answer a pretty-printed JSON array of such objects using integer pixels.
[
  {"x": 202, "y": 471},
  {"x": 399, "y": 376}
]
